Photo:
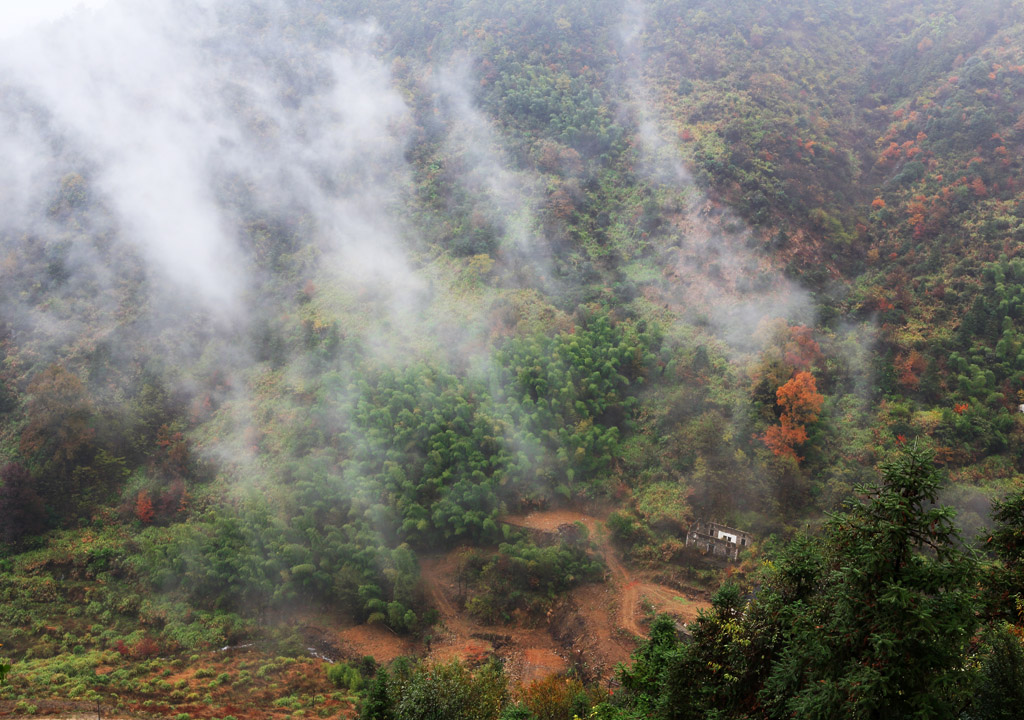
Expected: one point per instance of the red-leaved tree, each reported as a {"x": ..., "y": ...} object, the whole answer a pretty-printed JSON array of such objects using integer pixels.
[
  {"x": 800, "y": 403},
  {"x": 144, "y": 507}
]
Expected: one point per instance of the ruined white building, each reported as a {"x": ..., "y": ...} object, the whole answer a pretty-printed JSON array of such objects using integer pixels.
[{"x": 715, "y": 539}]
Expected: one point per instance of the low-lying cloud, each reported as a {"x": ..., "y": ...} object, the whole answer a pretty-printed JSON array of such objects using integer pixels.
[
  {"x": 165, "y": 102},
  {"x": 717, "y": 275}
]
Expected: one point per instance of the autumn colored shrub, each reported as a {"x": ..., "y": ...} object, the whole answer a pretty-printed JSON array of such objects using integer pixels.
[
  {"x": 144, "y": 508},
  {"x": 556, "y": 697},
  {"x": 141, "y": 649}
]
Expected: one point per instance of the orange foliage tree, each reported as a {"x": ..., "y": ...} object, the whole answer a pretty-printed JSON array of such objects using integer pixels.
[
  {"x": 144, "y": 507},
  {"x": 909, "y": 367},
  {"x": 800, "y": 402}
]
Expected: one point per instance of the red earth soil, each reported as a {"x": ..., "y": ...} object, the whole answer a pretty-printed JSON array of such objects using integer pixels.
[{"x": 598, "y": 625}]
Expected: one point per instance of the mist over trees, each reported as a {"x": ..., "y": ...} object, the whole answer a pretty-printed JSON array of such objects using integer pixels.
[{"x": 297, "y": 293}]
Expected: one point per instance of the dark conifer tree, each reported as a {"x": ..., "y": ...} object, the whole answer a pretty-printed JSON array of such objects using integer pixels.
[
  {"x": 888, "y": 633},
  {"x": 22, "y": 509}
]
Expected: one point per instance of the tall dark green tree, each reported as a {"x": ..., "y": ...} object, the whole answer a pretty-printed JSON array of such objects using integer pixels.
[
  {"x": 377, "y": 705},
  {"x": 888, "y": 633},
  {"x": 872, "y": 619},
  {"x": 22, "y": 508},
  {"x": 709, "y": 675},
  {"x": 643, "y": 681},
  {"x": 1005, "y": 578},
  {"x": 998, "y": 693},
  {"x": 732, "y": 649}
]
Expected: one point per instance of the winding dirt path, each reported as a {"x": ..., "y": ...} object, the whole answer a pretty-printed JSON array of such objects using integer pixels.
[
  {"x": 629, "y": 593},
  {"x": 458, "y": 641},
  {"x": 630, "y": 589},
  {"x": 530, "y": 654},
  {"x": 597, "y": 627}
]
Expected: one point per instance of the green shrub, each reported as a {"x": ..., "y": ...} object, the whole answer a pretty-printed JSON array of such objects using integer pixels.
[
  {"x": 289, "y": 701},
  {"x": 344, "y": 676},
  {"x": 265, "y": 670}
]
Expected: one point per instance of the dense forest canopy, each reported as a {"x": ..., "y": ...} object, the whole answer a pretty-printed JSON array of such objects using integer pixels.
[{"x": 301, "y": 299}]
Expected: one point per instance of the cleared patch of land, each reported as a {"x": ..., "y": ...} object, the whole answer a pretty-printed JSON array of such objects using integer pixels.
[{"x": 594, "y": 628}]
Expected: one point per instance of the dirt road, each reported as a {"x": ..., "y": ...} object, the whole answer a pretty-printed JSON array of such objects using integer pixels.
[
  {"x": 597, "y": 626},
  {"x": 529, "y": 653},
  {"x": 630, "y": 588}
]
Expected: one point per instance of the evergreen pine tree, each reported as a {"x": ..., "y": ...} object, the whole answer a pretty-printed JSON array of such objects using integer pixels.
[
  {"x": 887, "y": 635},
  {"x": 377, "y": 705}
]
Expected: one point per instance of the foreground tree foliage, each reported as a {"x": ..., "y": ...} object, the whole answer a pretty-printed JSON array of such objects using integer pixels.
[
  {"x": 999, "y": 675},
  {"x": 435, "y": 692},
  {"x": 887, "y": 633},
  {"x": 872, "y": 620},
  {"x": 1005, "y": 579}
]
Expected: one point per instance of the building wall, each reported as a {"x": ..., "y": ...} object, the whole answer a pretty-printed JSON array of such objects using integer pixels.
[{"x": 720, "y": 540}]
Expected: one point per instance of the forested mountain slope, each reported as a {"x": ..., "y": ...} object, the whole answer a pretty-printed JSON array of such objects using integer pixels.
[{"x": 295, "y": 294}]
